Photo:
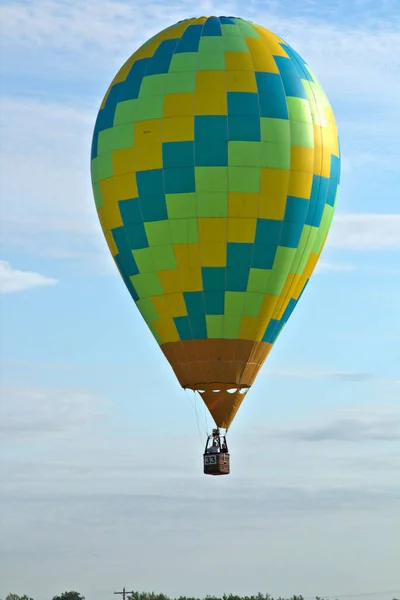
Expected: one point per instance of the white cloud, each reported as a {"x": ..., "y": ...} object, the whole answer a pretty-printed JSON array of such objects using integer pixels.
[
  {"x": 13, "y": 280},
  {"x": 33, "y": 412},
  {"x": 365, "y": 232}
]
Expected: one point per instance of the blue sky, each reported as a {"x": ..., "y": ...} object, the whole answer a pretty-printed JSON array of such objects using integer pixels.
[{"x": 102, "y": 448}]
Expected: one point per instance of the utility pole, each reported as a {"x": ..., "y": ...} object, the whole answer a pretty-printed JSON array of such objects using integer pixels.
[{"x": 124, "y": 593}]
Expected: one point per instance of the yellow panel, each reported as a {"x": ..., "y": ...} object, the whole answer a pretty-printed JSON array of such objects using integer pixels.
[
  {"x": 302, "y": 159},
  {"x": 125, "y": 186},
  {"x": 212, "y": 230},
  {"x": 318, "y": 150},
  {"x": 242, "y": 230},
  {"x": 273, "y": 193},
  {"x": 166, "y": 330},
  {"x": 110, "y": 241},
  {"x": 191, "y": 280},
  {"x": 123, "y": 161},
  {"x": 238, "y": 61},
  {"x": 178, "y": 105},
  {"x": 187, "y": 256},
  {"x": 148, "y": 152},
  {"x": 272, "y": 40},
  {"x": 148, "y": 131},
  {"x": 213, "y": 254},
  {"x": 300, "y": 184},
  {"x": 109, "y": 214},
  {"x": 108, "y": 190},
  {"x": 241, "y": 81},
  {"x": 170, "y": 305},
  {"x": 290, "y": 284},
  {"x": 263, "y": 60},
  {"x": 210, "y": 81},
  {"x": 170, "y": 281},
  {"x": 178, "y": 129},
  {"x": 267, "y": 309},
  {"x": 248, "y": 328},
  {"x": 211, "y": 103},
  {"x": 243, "y": 204}
]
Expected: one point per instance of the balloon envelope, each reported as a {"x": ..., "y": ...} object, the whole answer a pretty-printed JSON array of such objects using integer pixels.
[{"x": 215, "y": 170}]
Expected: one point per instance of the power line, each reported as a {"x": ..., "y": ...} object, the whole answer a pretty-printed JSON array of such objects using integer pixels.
[{"x": 124, "y": 593}]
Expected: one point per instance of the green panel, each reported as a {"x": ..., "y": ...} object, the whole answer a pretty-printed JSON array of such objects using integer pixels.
[
  {"x": 215, "y": 326},
  {"x": 282, "y": 266},
  {"x": 185, "y": 61},
  {"x": 302, "y": 134},
  {"x": 234, "y": 303},
  {"x": 234, "y": 43},
  {"x": 184, "y": 231},
  {"x": 105, "y": 141},
  {"x": 181, "y": 82},
  {"x": 252, "y": 304},
  {"x": 125, "y": 112},
  {"x": 211, "y": 54},
  {"x": 153, "y": 85},
  {"x": 98, "y": 198},
  {"x": 232, "y": 326},
  {"x": 244, "y": 179},
  {"x": 247, "y": 29},
  {"x": 230, "y": 30},
  {"x": 158, "y": 233},
  {"x": 299, "y": 109},
  {"x": 181, "y": 206},
  {"x": 258, "y": 280},
  {"x": 275, "y": 130},
  {"x": 275, "y": 156},
  {"x": 147, "y": 309},
  {"x": 147, "y": 284},
  {"x": 303, "y": 249},
  {"x": 164, "y": 257},
  {"x": 244, "y": 154},
  {"x": 123, "y": 136},
  {"x": 104, "y": 166},
  {"x": 211, "y": 179},
  {"x": 212, "y": 204},
  {"x": 323, "y": 229},
  {"x": 144, "y": 260}
]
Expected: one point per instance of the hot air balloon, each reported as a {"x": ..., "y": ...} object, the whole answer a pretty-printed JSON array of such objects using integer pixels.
[{"x": 215, "y": 169}]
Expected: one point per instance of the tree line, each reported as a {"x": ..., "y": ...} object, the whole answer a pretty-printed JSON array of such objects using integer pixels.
[{"x": 153, "y": 596}]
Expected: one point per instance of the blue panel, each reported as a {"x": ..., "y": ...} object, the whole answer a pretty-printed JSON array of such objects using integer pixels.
[
  {"x": 331, "y": 194},
  {"x": 243, "y": 103},
  {"x": 183, "y": 327},
  {"x": 291, "y": 234},
  {"x": 131, "y": 86},
  {"x": 178, "y": 154},
  {"x": 227, "y": 21},
  {"x": 210, "y": 128},
  {"x": 150, "y": 182},
  {"x": 291, "y": 74},
  {"x": 199, "y": 327},
  {"x": 105, "y": 117},
  {"x": 319, "y": 192},
  {"x": 121, "y": 240},
  {"x": 131, "y": 289},
  {"x": 211, "y": 155},
  {"x": 194, "y": 303},
  {"x": 214, "y": 302},
  {"x": 272, "y": 97},
  {"x": 130, "y": 211},
  {"x": 189, "y": 42},
  {"x": 213, "y": 278},
  {"x": 239, "y": 255},
  {"x": 136, "y": 235},
  {"x": 126, "y": 263},
  {"x": 335, "y": 167},
  {"x": 296, "y": 209},
  {"x": 179, "y": 180},
  {"x": 288, "y": 311},
  {"x": 161, "y": 59},
  {"x": 154, "y": 208},
  {"x": 237, "y": 279},
  {"x": 268, "y": 233},
  {"x": 212, "y": 27},
  {"x": 270, "y": 333},
  {"x": 305, "y": 74},
  {"x": 244, "y": 129}
]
